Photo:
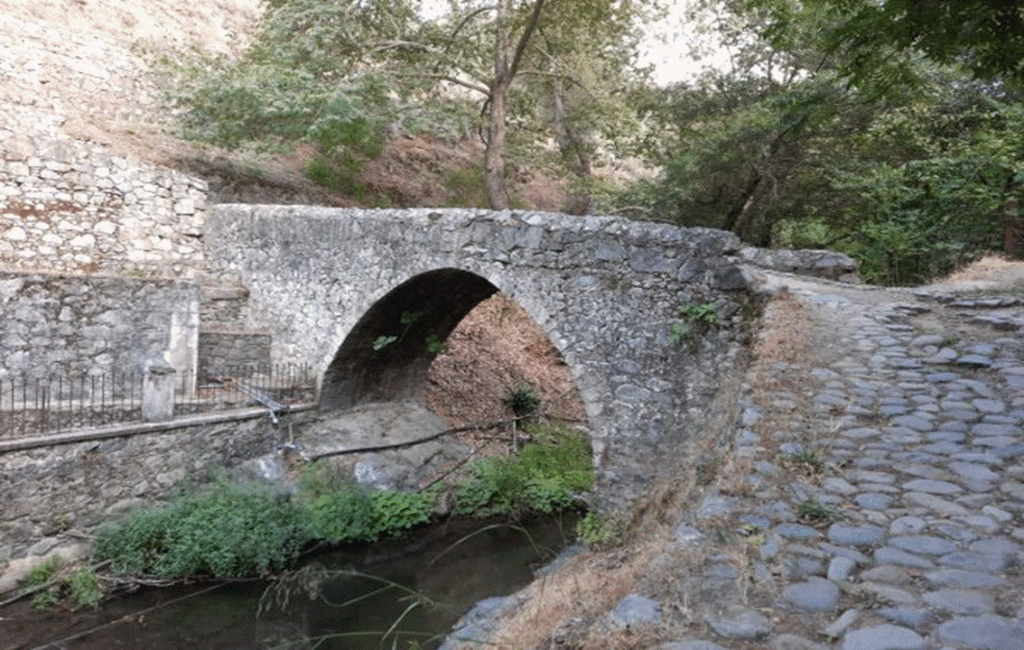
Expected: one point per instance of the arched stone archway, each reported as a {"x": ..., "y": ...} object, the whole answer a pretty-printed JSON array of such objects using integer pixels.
[
  {"x": 606, "y": 292},
  {"x": 387, "y": 354}
]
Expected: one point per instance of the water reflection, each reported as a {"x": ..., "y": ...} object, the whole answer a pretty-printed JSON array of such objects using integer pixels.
[{"x": 368, "y": 597}]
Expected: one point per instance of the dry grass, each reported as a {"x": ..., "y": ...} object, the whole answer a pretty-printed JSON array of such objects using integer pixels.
[
  {"x": 989, "y": 273},
  {"x": 496, "y": 347},
  {"x": 787, "y": 332},
  {"x": 990, "y": 267},
  {"x": 583, "y": 590}
]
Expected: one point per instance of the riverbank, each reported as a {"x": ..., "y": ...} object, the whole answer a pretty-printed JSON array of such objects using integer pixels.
[{"x": 873, "y": 497}]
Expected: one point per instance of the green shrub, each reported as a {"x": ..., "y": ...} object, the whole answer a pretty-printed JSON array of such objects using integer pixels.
[
  {"x": 523, "y": 400},
  {"x": 234, "y": 531},
  {"x": 599, "y": 532},
  {"x": 548, "y": 470},
  {"x": 227, "y": 532},
  {"x": 85, "y": 588},
  {"x": 397, "y": 512},
  {"x": 43, "y": 572},
  {"x": 560, "y": 453},
  {"x": 343, "y": 515}
]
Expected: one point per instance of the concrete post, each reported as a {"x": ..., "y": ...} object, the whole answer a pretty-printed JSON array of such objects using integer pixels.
[{"x": 158, "y": 391}]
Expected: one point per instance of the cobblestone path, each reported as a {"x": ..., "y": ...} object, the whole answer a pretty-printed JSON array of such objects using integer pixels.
[{"x": 882, "y": 486}]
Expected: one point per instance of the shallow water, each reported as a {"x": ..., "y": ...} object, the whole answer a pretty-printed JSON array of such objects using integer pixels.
[{"x": 443, "y": 570}]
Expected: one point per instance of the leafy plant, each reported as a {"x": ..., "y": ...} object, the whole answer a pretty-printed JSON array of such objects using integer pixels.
[
  {"x": 406, "y": 320},
  {"x": 436, "y": 345},
  {"x": 806, "y": 461},
  {"x": 696, "y": 319},
  {"x": 548, "y": 471},
  {"x": 343, "y": 515},
  {"x": 396, "y": 512},
  {"x": 230, "y": 531},
  {"x": 523, "y": 400},
  {"x": 382, "y": 342},
  {"x": 43, "y": 572},
  {"x": 86, "y": 590},
  {"x": 598, "y": 531}
]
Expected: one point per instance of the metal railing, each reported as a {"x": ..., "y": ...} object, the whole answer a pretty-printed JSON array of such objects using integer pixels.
[
  {"x": 280, "y": 384},
  {"x": 63, "y": 402}
]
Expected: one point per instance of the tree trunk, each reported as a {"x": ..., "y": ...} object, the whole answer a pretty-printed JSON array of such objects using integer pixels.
[
  {"x": 574, "y": 152},
  {"x": 494, "y": 157},
  {"x": 506, "y": 65}
]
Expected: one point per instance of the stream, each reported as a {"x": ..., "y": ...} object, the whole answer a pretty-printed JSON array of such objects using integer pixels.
[{"x": 365, "y": 597}]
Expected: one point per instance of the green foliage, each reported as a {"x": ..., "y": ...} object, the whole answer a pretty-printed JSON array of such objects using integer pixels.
[
  {"x": 560, "y": 453},
  {"x": 382, "y": 342},
  {"x": 396, "y": 512},
  {"x": 523, "y": 400},
  {"x": 230, "y": 531},
  {"x": 86, "y": 590},
  {"x": 81, "y": 589},
  {"x": 907, "y": 170},
  {"x": 46, "y": 599},
  {"x": 235, "y": 531},
  {"x": 43, "y": 572},
  {"x": 987, "y": 36},
  {"x": 343, "y": 515},
  {"x": 435, "y": 344},
  {"x": 599, "y": 531},
  {"x": 696, "y": 319},
  {"x": 816, "y": 513},
  {"x": 806, "y": 461},
  {"x": 543, "y": 478}
]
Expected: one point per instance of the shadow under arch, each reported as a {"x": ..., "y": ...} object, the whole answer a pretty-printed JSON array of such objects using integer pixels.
[{"x": 387, "y": 354}]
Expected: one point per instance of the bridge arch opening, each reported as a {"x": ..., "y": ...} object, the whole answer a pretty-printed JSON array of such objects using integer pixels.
[
  {"x": 387, "y": 354},
  {"x": 451, "y": 341}
]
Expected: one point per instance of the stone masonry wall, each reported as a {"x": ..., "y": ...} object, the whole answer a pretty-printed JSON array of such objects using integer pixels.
[
  {"x": 221, "y": 350},
  {"x": 50, "y": 490},
  {"x": 93, "y": 324},
  {"x": 68, "y": 202},
  {"x": 74, "y": 207}
]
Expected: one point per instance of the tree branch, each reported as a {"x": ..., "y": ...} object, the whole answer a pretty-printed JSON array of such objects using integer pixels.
[
  {"x": 455, "y": 80},
  {"x": 524, "y": 40},
  {"x": 416, "y": 441}
]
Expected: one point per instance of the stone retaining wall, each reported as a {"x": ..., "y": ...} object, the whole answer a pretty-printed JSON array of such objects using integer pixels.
[
  {"x": 93, "y": 324},
  {"x": 50, "y": 491},
  {"x": 219, "y": 350},
  {"x": 74, "y": 207}
]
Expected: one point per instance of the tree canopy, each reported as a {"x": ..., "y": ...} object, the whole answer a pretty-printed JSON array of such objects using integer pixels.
[
  {"x": 890, "y": 129},
  {"x": 339, "y": 72}
]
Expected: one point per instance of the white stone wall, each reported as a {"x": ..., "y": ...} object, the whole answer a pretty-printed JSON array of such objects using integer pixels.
[
  {"x": 72, "y": 206},
  {"x": 68, "y": 202}
]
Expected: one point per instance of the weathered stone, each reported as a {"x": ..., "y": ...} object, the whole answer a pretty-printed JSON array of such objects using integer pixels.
[
  {"x": 635, "y": 610},
  {"x": 816, "y": 594},
  {"x": 884, "y": 637},
  {"x": 738, "y": 622},
  {"x": 988, "y": 632},
  {"x": 856, "y": 535},
  {"x": 961, "y": 601}
]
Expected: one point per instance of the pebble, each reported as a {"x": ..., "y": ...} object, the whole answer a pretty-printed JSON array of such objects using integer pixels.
[
  {"x": 884, "y": 637},
  {"x": 816, "y": 594}
]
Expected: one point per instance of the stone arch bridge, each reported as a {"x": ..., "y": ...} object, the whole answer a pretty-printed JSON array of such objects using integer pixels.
[{"x": 330, "y": 283}]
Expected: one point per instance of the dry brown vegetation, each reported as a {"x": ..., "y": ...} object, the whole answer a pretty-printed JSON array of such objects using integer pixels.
[{"x": 496, "y": 348}]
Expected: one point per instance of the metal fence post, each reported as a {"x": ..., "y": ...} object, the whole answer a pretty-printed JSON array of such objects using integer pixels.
[{"x": 158, "y": 391}]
